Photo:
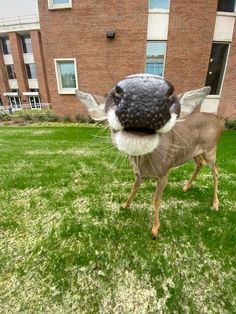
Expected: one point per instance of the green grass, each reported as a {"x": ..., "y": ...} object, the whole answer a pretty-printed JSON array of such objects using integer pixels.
[{"x": 68, "y": 247}]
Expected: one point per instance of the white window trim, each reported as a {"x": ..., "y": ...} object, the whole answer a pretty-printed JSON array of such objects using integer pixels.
[
  {"x": 60, "y": 89},
  {"x": 221, "y": 13},
  {"x": 53, "y": 6}
]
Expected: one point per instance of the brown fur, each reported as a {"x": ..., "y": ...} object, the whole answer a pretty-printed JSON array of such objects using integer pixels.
[{"x": 194, "y": 138}]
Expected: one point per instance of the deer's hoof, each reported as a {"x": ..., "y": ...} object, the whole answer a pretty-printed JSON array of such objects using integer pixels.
[
  {"x": 125, "y": 205},
  {"x": 185, "y": 189},
  {"x": 155, "y": 232},
  {"x": 216, "y": 206}
]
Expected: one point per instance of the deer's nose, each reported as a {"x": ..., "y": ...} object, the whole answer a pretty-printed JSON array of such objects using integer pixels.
[{"x": 142, "y": 103}]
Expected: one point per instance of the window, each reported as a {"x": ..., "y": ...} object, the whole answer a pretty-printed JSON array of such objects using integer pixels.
[
  {"x": 66, "y": 76},
  {"x": 14, "y": 102},
  {"x": 217, "y": 65},
  {"x": 26, "y": 44},
  {"x": 6, "y": 46},
  {"x": 159, "y": 4},
  {"x": 31, "y": 71},
  {"x": 155, "y": 57},
  {"x": 226, "y": 6},
  {"x": 34, "y": 102},
  {"x": 10, "y": 72},
  {"x": 59, "y": 4}
]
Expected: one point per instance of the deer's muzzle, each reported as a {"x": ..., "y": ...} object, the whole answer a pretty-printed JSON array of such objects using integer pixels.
[{"x": 144, "y": 102}]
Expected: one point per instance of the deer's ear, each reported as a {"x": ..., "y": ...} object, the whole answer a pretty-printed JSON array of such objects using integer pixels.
[
  {"x": 94, "y": 104},
  {"x": 189, "y": 101}
]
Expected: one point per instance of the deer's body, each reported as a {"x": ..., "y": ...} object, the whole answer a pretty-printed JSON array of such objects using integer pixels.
[
  {"x": 197, "y": 135},
  {"x": 142, "y": 112},
  {"x": 194, "y": 138}
]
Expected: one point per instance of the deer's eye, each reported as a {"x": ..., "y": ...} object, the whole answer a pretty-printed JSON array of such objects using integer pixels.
[
  {"x": 118, "y": 95},
  {"x": 117, "y": 98}
]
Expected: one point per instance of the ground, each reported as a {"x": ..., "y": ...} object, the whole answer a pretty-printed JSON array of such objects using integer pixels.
[{"x": 67, "y": 246}]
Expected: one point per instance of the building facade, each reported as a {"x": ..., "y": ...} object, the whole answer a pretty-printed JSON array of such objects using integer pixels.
[
  {"x": 22, "y": 65},
  {"x": 91, "y": 45}
]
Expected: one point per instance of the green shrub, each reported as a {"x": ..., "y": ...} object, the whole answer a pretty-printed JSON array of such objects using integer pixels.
[
  {"x": 35, "y": 115},
  {"x": 66, "y": 119},
  {"x": 230, "y": 124},
  {"x": 83, "y": 119}
]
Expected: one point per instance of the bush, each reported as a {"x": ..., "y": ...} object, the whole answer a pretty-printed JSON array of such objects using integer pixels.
[
  {"x": 66, "y": 119},
  {"x": 40, "y": 115},
  {"x": 230, "y": 124},
  {"x": 36, "y": 115},
  {"x": 83, "y": 119}
]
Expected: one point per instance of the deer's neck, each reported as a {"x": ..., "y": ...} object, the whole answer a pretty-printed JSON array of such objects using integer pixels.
[{"x": 174, "y": 149}]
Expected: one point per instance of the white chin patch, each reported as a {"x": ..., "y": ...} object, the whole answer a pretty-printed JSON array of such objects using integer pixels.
[
  {"x": 113, "y": 121},
  {"x": 135, "y": 145},
  {"x": 169, "y": 124}
]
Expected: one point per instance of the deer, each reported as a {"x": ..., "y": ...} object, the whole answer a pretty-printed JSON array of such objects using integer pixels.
[{"x": 159, "y": 131}]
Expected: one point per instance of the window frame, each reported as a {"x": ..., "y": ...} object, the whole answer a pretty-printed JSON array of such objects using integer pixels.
[
  {"x": 224, "y": 71},
  {"x": 159, "y": 10},
  {"x": 8, "y": 46},
  {"x": 13, "y": 71},
  {"x": 164, "y": 61},
  {"x": 27, "y": 66},
  {"x": 35, "y": 104},
  {"x": 53, "y": 6},
  {"x": 24, "y": 45},
  {"x": 61, "y": 90},
  {"x": 17, "y": 105}
]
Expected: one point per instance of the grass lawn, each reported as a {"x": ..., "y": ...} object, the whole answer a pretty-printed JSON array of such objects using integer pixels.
[{"x": 68, "y": 247}]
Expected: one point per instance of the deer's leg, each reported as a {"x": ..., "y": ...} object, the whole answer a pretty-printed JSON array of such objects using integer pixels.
[
  {"x": 211, "y": 160},
  {"x": 215, "y": 198},
  {"x": 135, "y": 187},
  {"x": 199, "y": 163},
  {"x": 214, "y": 171},
  {"x": 157, "y": 200}
]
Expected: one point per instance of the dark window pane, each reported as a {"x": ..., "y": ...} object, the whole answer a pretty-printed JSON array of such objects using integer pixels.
[
  {"x": 26, "y": 44},
  {"x": 216, "y": 67},
  {"x": 155, "y": 58},
  {"x": 10, "y": 72},
  {"x": 226, "y": 6},
  {"x": 6, "y": 46},
  {"x": 31, "y": 71}
]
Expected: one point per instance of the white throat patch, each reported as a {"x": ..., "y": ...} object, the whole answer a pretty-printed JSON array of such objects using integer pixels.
[
  {"x": 134, "y": 145},
  {"x": 113, "y": 120}
]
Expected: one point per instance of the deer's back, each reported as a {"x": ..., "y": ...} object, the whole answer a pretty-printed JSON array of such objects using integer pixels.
[{"x": 198, "y": 134}]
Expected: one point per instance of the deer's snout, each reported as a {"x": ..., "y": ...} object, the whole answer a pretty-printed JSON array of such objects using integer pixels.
[{"x": 143, "y": 102}]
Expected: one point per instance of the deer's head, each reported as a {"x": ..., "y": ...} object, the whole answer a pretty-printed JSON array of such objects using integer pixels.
[{"x": 138, "y": 109}]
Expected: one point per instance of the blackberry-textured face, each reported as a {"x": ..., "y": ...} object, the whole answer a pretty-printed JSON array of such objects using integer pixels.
[{"x": 143, "y": 101}]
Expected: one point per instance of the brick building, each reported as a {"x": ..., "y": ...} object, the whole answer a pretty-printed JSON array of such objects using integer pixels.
[
  {"x": 23, "y": 79},
  {"x": 91, "y": 44}
]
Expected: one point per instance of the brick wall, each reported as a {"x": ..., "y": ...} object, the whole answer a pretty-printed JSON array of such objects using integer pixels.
[
  {"x": 40, "y": 66},
  {"x": 191, "y": 28},
  {"x": 80, "y": 33},
  {"x": 4, "y": 86}
]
